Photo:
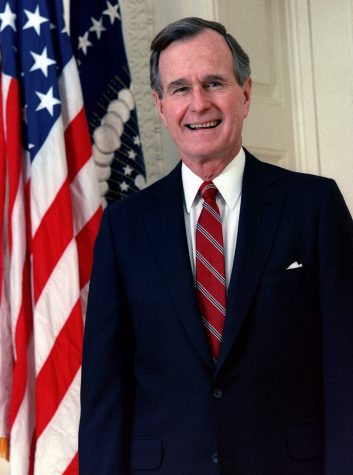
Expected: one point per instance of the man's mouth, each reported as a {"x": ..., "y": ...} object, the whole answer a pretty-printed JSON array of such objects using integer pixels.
[{"x": 205, "y": 125}]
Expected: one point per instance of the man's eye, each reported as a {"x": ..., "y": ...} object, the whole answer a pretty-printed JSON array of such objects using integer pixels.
[
  {"x": 180, "y": 90},
  {"x": 212, "y": 84}
]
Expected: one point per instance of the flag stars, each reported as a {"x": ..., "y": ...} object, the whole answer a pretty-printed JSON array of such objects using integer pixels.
[
  {"x": 132, "y": 154},
  {"x": 137, "y": 140},
  {"x": 47, "y": 101},
  {"x": 42, "y": 62},
  {"x": 112, "y": 12},
  {"x": 128, "y": 170},
  {"x": 34, "y": 20},
  {"x": 84, "y": 43},
  {"x": 97, "y": 27},
  {"x": 124, "y": 186},
  {"x": 7, "y": 18}
]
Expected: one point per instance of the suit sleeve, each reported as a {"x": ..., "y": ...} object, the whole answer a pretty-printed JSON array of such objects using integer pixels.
[
  {"x": 107, "y": 386},
  {"x": 336, "y": 294}
]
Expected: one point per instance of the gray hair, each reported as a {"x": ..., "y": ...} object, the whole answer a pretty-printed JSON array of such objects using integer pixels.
[{"x": 187, "y": 28}]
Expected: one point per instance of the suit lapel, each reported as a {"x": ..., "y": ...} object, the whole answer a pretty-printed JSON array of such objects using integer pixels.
[
  {"x": 262, "y": 202},
  {"x": 164, "y": 217}
]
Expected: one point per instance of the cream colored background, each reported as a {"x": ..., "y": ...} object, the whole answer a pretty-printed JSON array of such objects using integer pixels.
[
  {"x": 302, "y": 58},
  {"x": 3, "y": 467}
]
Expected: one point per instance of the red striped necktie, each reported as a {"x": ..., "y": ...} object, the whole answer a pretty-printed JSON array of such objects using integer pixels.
[{"x": 210, "y": 274}]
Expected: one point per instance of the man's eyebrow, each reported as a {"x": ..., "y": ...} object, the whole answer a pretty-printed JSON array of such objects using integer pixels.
[
  {"x": 213, "y": 77},
  {"x": 183, "y": 82}
]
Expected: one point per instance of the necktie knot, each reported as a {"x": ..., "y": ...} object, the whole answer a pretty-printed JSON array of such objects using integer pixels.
[{"x": 208, "y": 190}]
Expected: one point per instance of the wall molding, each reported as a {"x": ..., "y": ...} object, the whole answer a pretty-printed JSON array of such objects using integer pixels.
[
  {"x": 302, "y": 73},
  {"x": 138, "y": 28}
]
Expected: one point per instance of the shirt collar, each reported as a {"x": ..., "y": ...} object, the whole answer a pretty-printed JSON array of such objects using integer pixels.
[{"x": 228, "y": 182}]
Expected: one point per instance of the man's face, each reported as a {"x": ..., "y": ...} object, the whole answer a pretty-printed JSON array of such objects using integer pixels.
[{"x": 202, "y": 106}]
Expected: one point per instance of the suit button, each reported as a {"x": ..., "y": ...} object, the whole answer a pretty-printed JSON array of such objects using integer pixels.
[
  {"x": 218, "y": 393},
  {"x": 215, "y": 457}
]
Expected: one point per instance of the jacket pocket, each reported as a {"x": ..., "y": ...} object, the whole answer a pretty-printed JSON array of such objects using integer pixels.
[
  {"x": 146, "y": 453},
  {"x": 288, "y": 277},
  {"x": 305, "y": 442}
]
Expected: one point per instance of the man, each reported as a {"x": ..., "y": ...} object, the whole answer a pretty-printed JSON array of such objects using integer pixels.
[{"x": 219, "y": 333}]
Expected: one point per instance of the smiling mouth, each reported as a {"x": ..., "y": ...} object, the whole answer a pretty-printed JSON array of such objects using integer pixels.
[{"x": 205, "y": 125}]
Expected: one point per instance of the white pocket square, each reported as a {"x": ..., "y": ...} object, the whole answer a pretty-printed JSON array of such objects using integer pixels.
[{"x": 294, "y": 265}]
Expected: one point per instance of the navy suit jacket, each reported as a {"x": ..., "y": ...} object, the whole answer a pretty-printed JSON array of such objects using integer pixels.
[{"x": 280, "y": 400}]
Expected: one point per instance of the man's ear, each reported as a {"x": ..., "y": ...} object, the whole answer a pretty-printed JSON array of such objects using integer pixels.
[
  {"x": 159, "y": 104},
  {"x": 247, "y": 89}
]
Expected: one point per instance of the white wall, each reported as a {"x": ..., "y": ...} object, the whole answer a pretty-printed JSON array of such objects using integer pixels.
[
  {"x": 332, "y": 35},
  {"x": 4, "y": 467},
  {"x": 328, "y": 131}
]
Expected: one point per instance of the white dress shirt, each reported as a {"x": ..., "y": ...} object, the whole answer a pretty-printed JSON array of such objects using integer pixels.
[{"x": 229, "y": 185}]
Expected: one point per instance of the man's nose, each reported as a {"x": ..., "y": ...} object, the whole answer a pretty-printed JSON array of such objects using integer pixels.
[{"x": 200, "y": 99}]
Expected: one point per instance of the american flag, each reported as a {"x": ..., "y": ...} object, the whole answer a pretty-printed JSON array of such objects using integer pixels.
[
  {"x": 97, "y": 39},
  {"x": 50, "y": 203}
]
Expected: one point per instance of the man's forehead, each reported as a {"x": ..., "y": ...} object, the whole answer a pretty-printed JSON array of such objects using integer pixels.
[{"x": 203, "y": 50}]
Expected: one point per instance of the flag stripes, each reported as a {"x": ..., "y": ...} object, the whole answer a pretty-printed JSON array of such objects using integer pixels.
[
  {"x": 49, "y": 386},
  {"x": 5, "y": 330},
  {"x": 53, "y": 212}
]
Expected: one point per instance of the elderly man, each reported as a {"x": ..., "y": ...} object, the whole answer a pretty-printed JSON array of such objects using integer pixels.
[{"x": 219, "y": 333}]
